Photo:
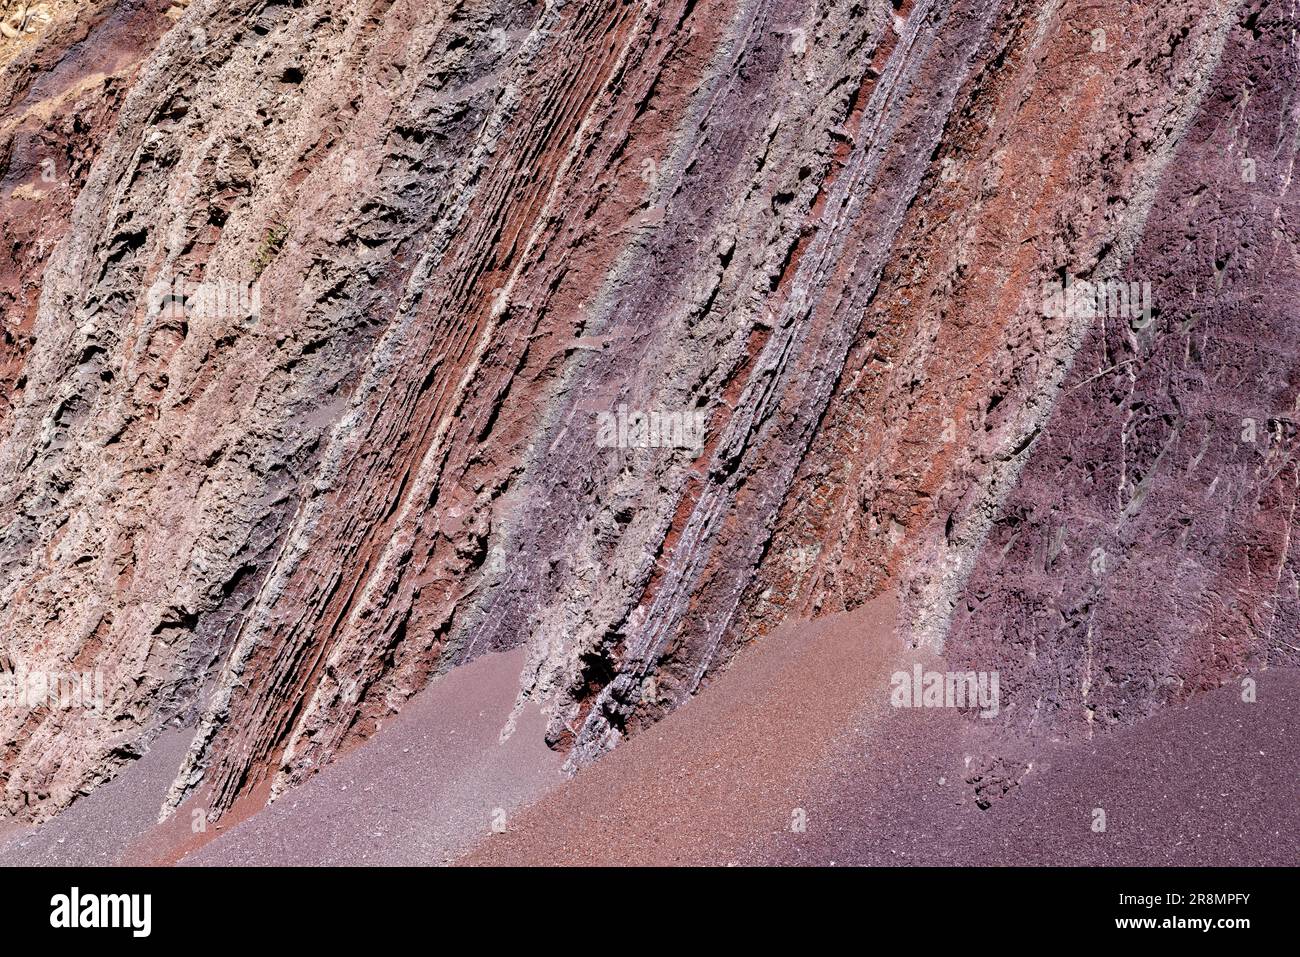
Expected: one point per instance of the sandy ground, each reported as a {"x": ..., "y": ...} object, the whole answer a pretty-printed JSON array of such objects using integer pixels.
[
  {"x": 1214, "y": 781},
  {"x": 794, "y": 755},
  {"x": 433, "y": 781},
  {"x": 96, "y": 830},
  {"x": 722, "y": 778},
  {"x": 423, "y": 789}
]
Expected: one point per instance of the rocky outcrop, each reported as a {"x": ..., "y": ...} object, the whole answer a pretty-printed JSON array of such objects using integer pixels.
[{"x": 355, "y": 340}]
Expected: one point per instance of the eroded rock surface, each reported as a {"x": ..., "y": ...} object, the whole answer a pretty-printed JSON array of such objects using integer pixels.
[{"x": 327, "y": 328}]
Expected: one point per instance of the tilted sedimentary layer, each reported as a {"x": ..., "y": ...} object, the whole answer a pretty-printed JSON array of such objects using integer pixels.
[{"x": 347, "y": 341}]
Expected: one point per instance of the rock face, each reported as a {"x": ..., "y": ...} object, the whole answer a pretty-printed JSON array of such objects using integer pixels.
[{"x": 346, "y": 342}]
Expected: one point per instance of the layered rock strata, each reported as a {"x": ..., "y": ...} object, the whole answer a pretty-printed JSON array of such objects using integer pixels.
[{"x": 351, "y": 341}]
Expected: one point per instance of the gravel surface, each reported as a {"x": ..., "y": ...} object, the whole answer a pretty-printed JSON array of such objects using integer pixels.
[
  {"x": 97, "y": 829},
  {"x": 1212, "y": 781},
  {"x": 723, "y": 776},
  {"x": 792, "y": 756},
  {"x": 432, "y": 781},
  {"x": 795, "y": 756}
]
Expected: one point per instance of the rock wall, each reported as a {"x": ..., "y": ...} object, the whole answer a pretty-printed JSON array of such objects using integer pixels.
[{"x": 353, "y": 340}]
